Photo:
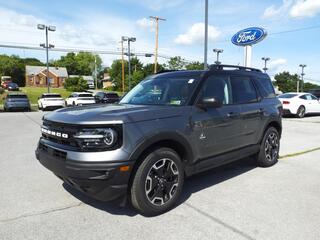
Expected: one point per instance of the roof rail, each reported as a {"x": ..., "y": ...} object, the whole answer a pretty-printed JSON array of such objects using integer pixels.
[
  {"x": 236, "y": 67},
  {"x": 167, "y": 71}
]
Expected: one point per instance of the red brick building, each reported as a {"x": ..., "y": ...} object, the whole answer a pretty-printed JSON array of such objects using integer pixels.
[{"x": 36, "y": 76}]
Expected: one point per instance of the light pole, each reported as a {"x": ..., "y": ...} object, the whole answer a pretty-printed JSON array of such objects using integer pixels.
[
  {"x": 129, "y": 39},
  {"x": 217, "y": 51},
  {"x": 265, "y": 59},
  {"x": 157, "y": 41},
  {"x": 302, "y": 74},
  {"x": 47, "y": 46},
  {"x": 206, "y": 35}
]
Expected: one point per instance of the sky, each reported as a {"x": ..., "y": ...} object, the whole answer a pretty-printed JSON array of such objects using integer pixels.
[{"x": 293, "y": 28}]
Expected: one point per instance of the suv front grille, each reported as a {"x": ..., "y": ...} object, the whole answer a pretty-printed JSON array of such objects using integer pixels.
[{"x": 70, "y": 130}]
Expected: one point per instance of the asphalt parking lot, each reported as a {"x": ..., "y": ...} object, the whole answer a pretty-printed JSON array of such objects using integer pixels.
[{"x": 238, "y": 201}]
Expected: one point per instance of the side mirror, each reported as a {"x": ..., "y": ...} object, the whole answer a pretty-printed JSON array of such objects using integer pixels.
[{"x": 210, "y": 103}]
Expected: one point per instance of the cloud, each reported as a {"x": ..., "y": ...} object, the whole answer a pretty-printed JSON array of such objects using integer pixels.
[
  {"x": 277, "y": 65},
  {"x": 274, "y": 11},
  {"x": 293, "y": 8},
  {"x": 307, "y": 8},
  {"x": 145, "y": 23},
  {"x": 195, "y": 34}
]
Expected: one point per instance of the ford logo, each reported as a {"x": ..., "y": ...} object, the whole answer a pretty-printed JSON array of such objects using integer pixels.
[{"x": 249, "y": 36}]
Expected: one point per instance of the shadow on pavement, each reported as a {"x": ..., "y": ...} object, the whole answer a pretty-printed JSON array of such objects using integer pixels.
[{"x": 192, "y": 185}]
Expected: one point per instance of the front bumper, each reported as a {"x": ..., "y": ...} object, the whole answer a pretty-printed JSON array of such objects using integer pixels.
[{"x": 101, "y": 180}]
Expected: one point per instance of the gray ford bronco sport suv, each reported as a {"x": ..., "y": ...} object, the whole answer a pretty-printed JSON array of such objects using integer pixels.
[{"x": 170, "y": 126}]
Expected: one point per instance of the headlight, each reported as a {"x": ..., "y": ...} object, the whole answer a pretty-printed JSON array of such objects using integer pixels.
[{"x": 98, "y": 138}]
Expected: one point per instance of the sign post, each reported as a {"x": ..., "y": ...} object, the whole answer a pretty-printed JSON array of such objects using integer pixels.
[{"x": 246, "y": 38}]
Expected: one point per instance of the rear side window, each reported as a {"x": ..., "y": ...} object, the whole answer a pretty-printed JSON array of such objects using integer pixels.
[
  {"x": 243, "y": 90},
  {"x": 265, "y": 87}
]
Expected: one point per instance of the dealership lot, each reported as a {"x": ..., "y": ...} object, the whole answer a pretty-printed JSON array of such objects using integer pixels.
[{"x": 237, "y": 201}]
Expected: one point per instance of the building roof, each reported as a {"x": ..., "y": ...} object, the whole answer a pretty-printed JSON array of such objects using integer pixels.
[{"x": 58, "y": 71}]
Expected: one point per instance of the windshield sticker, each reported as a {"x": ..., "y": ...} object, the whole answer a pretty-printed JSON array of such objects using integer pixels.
[{"x": 191, "y": 81}]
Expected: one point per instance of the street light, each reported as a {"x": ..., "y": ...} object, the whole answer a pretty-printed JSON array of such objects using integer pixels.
[
  {"x": 265, "y": 59},
  {"x": 302, "y": 74},
  {"x": 206, "y": 35},
  {"x": 47, "y": 46},
  {"x": 129, "y": 39},
  {"x": 217, "y": 51}
]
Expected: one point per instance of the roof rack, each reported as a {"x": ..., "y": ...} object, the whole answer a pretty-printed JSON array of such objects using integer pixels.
[
  {"x": 167, "y": 71},
  {"x": 234, "y": 67}
]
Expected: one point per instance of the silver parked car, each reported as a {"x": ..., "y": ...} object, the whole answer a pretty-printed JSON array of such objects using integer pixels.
[{"x": 14, "y": 101}]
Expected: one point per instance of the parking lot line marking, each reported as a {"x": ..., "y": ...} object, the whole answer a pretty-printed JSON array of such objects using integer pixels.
[
  {"x": 40, "y": 213},
  {"x": 233, "y": 229},
  {"x": 299, "y": 153}
]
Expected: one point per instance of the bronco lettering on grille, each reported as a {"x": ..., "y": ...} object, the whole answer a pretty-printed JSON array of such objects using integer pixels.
[{"x": 54, "y": 133}]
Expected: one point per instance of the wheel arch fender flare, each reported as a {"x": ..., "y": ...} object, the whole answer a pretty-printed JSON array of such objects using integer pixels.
[{"x": 172, "y": 140}]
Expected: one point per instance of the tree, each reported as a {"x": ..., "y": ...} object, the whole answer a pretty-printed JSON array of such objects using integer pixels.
[
  {"x": 82, "y": 63},
  {"x": 195, "y": 66},
  {"x": 148, "y": 69},
  {"x": 287, "y": 82},
  {"x": 13, "y": 66},
  {"x": 308, "y": 86},
  {"x": 76, "y": 84},
  {"x": 137, "y": 76},
  {"x": 176, "y": 63},
  {"x": 115, "y": 72}
]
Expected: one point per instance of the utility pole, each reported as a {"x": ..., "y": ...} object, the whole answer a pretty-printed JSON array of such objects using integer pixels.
[
  {"x": 122, "y": 62},
  {"x": 95, "y": 72},
  {"x": 302, "y": 74},
  {"x": 156, "y": 19},
  {"x": 206, "y": 35},
  {"x": 265, "y": 59},
  {"x": 47, "y": 46},
  {"x": 217, "y": 51},
  {"x": 129, "y": 39}
]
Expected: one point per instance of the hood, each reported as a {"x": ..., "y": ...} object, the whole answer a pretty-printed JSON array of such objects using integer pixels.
[{"x": 114, "y": 113}]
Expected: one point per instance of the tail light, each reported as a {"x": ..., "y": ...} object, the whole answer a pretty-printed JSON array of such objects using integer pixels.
[{"x": 285, "y": 102}]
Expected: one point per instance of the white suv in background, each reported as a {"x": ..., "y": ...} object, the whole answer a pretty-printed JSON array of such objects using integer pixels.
[
  {"x": 79, "y": 99},
  {"x": 50, "y": 101}
]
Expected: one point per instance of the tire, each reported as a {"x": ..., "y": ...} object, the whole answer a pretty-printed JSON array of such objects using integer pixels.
[
  {"x": 164, "y": 169},
  {"x": 269, "y": 148},
  {"x": 39, "y": 107},
  {"x": 301, "y": 112},
  {"x": 73, "y": 103}
]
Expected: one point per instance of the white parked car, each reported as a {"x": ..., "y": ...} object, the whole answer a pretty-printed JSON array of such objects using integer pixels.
[
  {"x": 299, "y": 104},
  {"x": 79, "y": 99},
  {"x": 50, "y": 101}
]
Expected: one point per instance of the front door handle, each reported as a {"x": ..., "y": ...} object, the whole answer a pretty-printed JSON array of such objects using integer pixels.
[{"x": 232, "y": 114}]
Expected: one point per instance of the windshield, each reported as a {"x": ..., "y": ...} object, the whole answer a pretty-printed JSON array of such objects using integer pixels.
[
  {"x": 85, "y": 95},
  {"x": 17, "y": 96},
  {"x": 52, "y": 96},
  {"x": 161, "y": 91},
  {"x": 288, "y": 95}
]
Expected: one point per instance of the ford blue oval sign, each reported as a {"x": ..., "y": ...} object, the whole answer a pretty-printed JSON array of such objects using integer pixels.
[{"x": 249, "y": 36}]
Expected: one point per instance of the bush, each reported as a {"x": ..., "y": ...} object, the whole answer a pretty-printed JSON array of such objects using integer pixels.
[
  {"x": 2, "y": 90},
  {"x": 76, "y": 84}
]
